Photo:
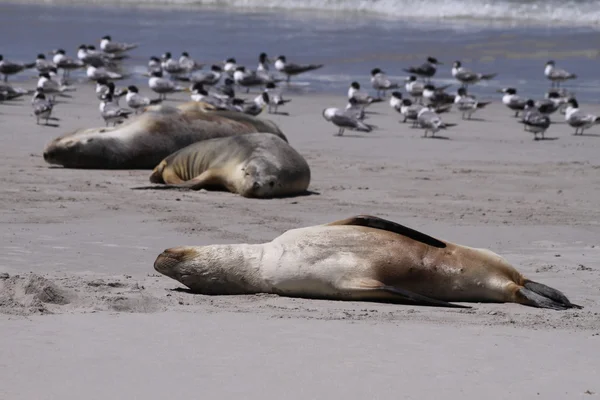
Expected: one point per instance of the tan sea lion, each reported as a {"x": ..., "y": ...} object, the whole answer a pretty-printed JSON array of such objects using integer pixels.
[
  {"x": 144, "y": 141},
  {"x": 254, "y": 165},
  {"x": 359, "y": 258}
]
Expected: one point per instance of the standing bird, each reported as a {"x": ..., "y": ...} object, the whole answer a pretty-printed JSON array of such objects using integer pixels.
[
  {"x": 410, "y": 111},
  {"x": 43, "y": 65},
  {"x": 136, "y": 101},
  {"x": 553, "y": 102},
  {"x": 229, "y": 66},
  {"x": 188, "y": 63},
  {"x": 354, "y": 109},
  {"x": 254, "y": 108},
  {"x": 512, "y": 100},
  {"x": 101, "y": 88},
  {"x": 171, "y": 66},
  {"x": 89, "y": 56},
  {"x": 111, "y": 112},
  {"x": 200, "y": 94},
  {"x": 467, "y": 77},
  {"x": 381, "y": 83},
  {"x": 11, "y": 68},
  {"x": 557, "y": 75},
  {"x": 263, "y": 63},
  {"x": 163, "y": 86},
  {"x": 578, "y": 120},
  {"x": 289, "y": 69},
  {"x": 227, "y": 89},
  {"x": 154, "y": 65},
  {"x": 108, "y": 46},
  {"x": 429, "y": 120},
  {"x": 414, "y": 88},
  {"x": 42, "y": 107},
  {"x": 67, "y": 64},
  {"x": 274, "y": 98},
  {"x": 534, "y": 120},
  {"x": 361, "y": 98},
  {"x": 249, "y": 79},
  {"x": 466, "y": 104},
  {"x": 344, "y": 120},
  {"x": 437, "y": 96},
  {"x": 50, "y": 86},
  {"x": 94, "y": 73},
  {"x": 116, "y": 94},
  {"x": 209, "y": 78},
  {"x": 426, "y": 70},
  {"x": 396, "y": 101}
]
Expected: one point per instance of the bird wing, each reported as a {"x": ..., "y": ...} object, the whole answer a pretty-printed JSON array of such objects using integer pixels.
[
  {"x": 577, "y": 119},
  {"x": 560, "y": 73}
]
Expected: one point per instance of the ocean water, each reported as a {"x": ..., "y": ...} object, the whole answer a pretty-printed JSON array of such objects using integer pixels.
[{"x": 512, "y": 38}]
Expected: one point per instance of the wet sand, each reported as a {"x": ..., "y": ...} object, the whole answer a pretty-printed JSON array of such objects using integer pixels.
[{"x": 83, "y": 313}]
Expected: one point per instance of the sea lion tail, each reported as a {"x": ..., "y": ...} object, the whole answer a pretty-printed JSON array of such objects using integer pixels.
[{"x": 539, "y": 295}]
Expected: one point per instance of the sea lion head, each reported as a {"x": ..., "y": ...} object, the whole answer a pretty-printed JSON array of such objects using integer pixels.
[
  {"x": 260, "y": 179},
  {"x": 85, "y": 148},
  {"x": 207, "y": 269}
]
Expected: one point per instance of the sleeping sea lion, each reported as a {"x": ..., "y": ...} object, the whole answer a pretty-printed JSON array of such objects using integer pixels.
[
  {"x": 253, "y": 165},
  {"x": 359, "y": 258},
  {"x": 144, "y": 141}
]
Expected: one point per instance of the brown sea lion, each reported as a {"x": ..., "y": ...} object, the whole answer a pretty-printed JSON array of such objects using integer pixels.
[
  {"x": 254, "y": 165},
  {"x": 142, "y": 142},
  {"x": 359, "y": 258}
]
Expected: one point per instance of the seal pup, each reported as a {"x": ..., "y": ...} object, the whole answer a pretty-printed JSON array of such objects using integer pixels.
[
  {"x": 360, "y": 258},
  {"x": 143, "y": 141},
  {"x": 258, "y": 165}
]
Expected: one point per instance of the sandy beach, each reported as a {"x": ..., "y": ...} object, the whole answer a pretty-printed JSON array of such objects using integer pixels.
[{"x": 83, "y": 314}]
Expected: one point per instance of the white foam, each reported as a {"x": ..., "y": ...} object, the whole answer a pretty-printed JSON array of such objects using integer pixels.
[{"x": 574, "y": 12}]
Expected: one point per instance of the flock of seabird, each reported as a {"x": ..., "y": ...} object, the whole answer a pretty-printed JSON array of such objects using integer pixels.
[
  {"x": 422, "y": 103},
  {"x": 166, "y": 75}
]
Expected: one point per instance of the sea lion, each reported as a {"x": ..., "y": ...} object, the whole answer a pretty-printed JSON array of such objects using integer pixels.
[
  {"x": 360, "y": 258},
  {"x": 254, "y": 165},
  {"x": 144, "y": 141}
]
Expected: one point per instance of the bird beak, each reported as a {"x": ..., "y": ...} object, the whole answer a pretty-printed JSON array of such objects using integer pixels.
[
  {"x": 440, "y": 63},
  {"x": 500, "y": 90}
]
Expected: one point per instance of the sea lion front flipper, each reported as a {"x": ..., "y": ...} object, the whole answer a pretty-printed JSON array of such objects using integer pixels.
[
  {"x": 380, "y": 223},
  {"x": 375, "y": 289}
]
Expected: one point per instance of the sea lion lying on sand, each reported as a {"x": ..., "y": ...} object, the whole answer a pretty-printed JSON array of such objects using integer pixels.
[
  {"x": 253, "y": 165},
  {"x": 142, "y": 142},
  {"x": 359, "y": 258}
]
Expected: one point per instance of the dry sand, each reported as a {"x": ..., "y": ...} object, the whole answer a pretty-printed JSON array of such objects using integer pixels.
[{"x": 84, "y": 315}]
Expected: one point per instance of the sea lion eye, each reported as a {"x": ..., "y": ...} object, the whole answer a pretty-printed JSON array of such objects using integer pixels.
[{"x": 272, "y": 183}]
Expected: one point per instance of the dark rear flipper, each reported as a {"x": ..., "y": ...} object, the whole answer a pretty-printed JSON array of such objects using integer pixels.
[{"x": 542, "y": 296}]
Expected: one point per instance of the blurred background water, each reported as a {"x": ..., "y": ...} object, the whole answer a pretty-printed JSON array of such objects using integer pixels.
[{"x": 512, "y": 38}]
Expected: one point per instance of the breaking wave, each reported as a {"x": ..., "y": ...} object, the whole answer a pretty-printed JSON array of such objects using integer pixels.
[{"x": 570, "y": 12}]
